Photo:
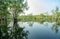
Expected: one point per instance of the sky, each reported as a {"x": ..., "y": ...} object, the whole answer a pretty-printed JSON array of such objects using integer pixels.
[{"x": 40, "y": 6}]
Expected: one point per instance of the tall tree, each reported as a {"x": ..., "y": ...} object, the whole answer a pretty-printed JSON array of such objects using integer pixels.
[{"x": 16, "y": 7}]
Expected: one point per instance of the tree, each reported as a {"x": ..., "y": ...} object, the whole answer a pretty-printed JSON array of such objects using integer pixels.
[
  {"x": 16, "y": 7},
  {"x": 3, "y": 10},
  {"x": 56, "y": 13}
]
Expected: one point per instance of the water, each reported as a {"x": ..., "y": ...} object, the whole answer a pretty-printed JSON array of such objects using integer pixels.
[
  {"x": 30, "y": 30},
  {"x": 45, "y": 30}
]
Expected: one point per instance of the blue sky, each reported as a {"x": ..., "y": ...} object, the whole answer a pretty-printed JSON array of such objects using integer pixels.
[{"x": 40, "y": 6}]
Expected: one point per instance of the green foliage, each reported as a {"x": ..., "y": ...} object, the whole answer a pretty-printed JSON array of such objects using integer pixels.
[
  {"x": 12, "y": 32},
  {"x": 42, "y": 18},
  {"x": 18, "y": 5}
]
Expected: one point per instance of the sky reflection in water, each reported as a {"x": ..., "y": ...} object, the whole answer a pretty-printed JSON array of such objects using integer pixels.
[{"x": 45, "y": 30}]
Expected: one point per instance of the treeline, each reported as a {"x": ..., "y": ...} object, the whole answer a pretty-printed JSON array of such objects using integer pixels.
[
  {"x": 55, "y": 17},
  {"x": 38, "y": 18}
]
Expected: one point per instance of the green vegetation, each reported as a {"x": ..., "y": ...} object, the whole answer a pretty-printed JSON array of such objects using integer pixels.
[
  {"x": 55, "y": 17},
  {"x": 10, "y": 9},
  {"x": 39, "y": 18}
]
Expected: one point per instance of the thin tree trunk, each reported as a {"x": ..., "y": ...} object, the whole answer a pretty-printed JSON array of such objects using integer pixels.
[{"x": 15, "y": 18}]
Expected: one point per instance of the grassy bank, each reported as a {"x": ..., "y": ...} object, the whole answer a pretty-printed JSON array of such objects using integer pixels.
[{"x": 39, "y": 18}]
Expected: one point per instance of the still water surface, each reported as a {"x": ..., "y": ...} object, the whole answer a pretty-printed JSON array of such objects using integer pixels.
[{"x": 45, "y": 30}]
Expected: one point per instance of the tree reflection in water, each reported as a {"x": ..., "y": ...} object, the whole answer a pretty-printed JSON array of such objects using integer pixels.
[
  {"x": 30, "y": 23},
  {"x": 55, "y": 27},
  {"x": 14, "y": 32}
]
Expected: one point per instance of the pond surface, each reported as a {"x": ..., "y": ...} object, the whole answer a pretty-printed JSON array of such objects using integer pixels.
[{"x": 45, "y": 30}]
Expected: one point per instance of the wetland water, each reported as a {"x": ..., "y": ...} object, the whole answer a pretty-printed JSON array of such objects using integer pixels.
[{"x": 45, "y": 30}]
